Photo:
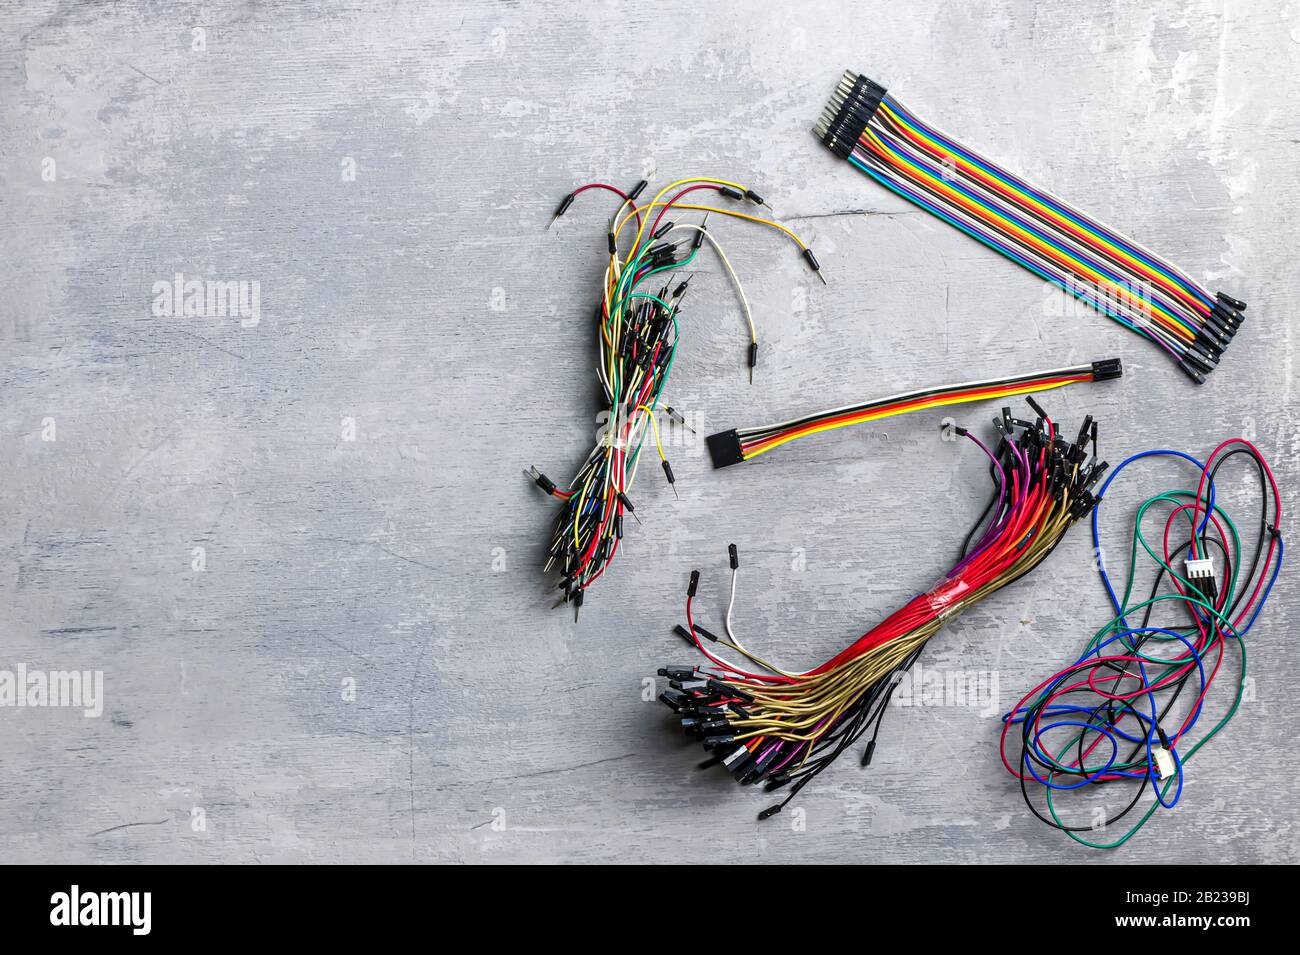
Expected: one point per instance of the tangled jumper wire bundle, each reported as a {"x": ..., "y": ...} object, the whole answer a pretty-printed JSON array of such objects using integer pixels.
[
  {"x": 1112, "y": 719},
  {"x": 638, "y": 337},
  {"x": 783, "y": 728}
]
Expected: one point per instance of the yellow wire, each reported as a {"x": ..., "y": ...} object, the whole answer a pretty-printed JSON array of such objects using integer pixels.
[
  {"x": 611, "y": 274},
  {"x": 577, "y": 514},
  {"x": 668, "y": 188},
  {"x": 654, "y": 424},
  {"x": 877, "y": 415},
  {"x": 722, "y": 212}
]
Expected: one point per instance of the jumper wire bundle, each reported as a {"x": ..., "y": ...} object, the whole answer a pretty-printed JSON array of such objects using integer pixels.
[
  {"x": 1041, "y": 232},
  {"x": 779, "y": 727},
  {"x": 1127, "y": 716},
  {"x": 638, "y": 334}
]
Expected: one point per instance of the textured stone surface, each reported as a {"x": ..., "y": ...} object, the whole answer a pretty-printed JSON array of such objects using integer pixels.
[{"x": 422, "y": 299}]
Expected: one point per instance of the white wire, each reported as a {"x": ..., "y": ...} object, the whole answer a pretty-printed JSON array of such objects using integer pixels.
[
  {"x": 1157, "y": 294},
  {"x": 640, "y": 424},
  {"x": 735, "y": 641},
  {"x": 740, "y": 290},
  {"x": 1068, "y": 277},
  {"x": 1079, "y": 212},
  {"x": 1053, "y": 373},
  {"x": 731, "y": 603}
]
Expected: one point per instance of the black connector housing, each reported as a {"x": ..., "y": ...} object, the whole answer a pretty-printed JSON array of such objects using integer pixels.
[
  {"x": 674, "y": 672},
  {"x": 1232, "y": 302},
  {"x": 869, "y": 752},
  {"x": 1198, "y": 361},
  {"x": 545, "y": 483},
  {"x": 706, "y": 633},
  {"x": 1107, "y": 369},
  {"x": 724, "y": 448},
  {"x": 1207, "y": 344},
  {"x": 740, "y": 764},
  {"x": 727, "y": 689},
  {"x": 1191, "y": 371},
  {"x": 673, "y": 700},
  {"x": 841, "y": 130}
]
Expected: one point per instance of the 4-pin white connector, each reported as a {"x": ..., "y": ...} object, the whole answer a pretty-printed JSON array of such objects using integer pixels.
[
  {"x": 1200, "y": 573},
  {"x": 1164, "y": 760}
]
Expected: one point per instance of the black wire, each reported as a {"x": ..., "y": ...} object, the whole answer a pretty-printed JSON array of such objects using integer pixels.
[
  {"x": 751, "y": 433},
  {"x": 1176, "y": 686}
]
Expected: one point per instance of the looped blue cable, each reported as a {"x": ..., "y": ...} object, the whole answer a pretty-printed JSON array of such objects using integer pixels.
[
  {"x": 1096, "y": 513},
  {"x": 1090, "y": 775}
]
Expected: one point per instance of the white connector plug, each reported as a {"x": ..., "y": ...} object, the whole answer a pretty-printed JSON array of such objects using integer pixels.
[
  {"x": 1164, "y": 760},
  {"x": 1200, "y": 573}
]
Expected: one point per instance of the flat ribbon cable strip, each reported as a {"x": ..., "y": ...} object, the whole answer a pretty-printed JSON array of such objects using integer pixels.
[
  {"x": 744, "y": 444},
  {"x": 1057, "y": 241}
]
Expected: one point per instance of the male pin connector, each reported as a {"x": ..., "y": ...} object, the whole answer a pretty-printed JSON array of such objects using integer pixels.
[
  {"x": 540, "y": 479},
  {"x": 561, "y": 209}
]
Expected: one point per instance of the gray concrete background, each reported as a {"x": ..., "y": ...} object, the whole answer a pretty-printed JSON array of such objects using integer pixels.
[{"x": 423, "y": 300}]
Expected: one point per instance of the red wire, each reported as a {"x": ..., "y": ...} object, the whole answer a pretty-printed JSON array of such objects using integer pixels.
[{"x": 971, "y": 395}]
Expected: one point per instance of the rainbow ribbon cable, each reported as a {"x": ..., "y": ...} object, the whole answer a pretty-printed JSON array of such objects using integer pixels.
[{"x": 1029, "y": 225}]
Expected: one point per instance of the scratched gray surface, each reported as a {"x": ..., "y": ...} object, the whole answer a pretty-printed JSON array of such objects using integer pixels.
[{"x": 422, "y": 299}]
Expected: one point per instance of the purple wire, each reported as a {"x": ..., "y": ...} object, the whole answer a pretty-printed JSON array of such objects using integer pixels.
[
  {"x": 991, "y": 532},
  {"x": 795, "y": 752},
  {"x": 991, "y": 238},
  {"x": 1170, "y": 270}
]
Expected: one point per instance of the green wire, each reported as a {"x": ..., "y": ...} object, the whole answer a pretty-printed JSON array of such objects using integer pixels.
[
  {"x": 620, "y": 303},
  {"x": 1119, "y": 624}
]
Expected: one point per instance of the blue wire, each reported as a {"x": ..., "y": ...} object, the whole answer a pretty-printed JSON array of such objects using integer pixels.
[
  {"x": 1096, "y": 513},
  {"x": 1095, "y": 263},
  {"x": 1005, "y": 176},
  {"x": 1001, "y": 249},
  {"x": 1054, "y": 712},
  {"x": 1021, "y": 714}
]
